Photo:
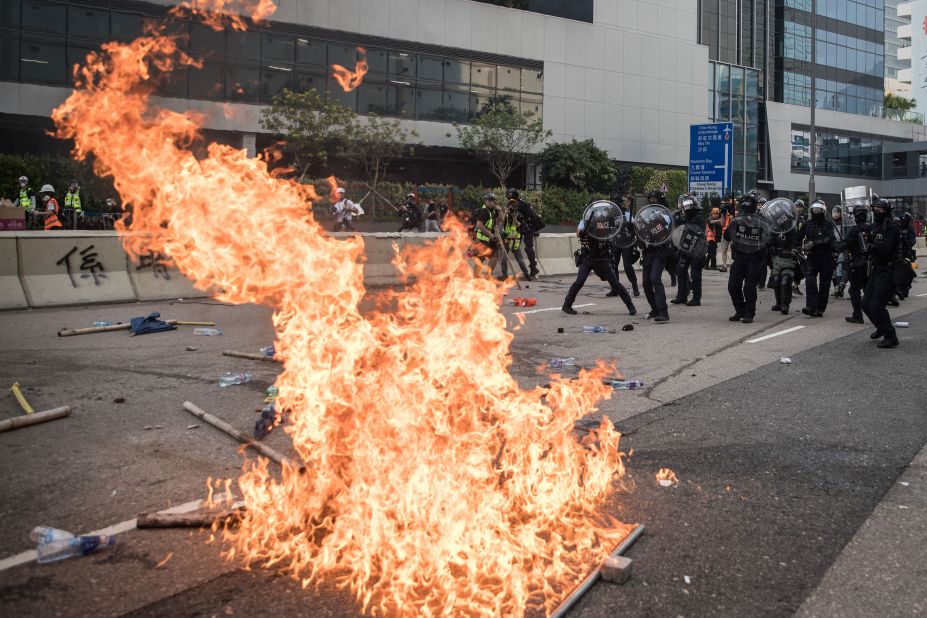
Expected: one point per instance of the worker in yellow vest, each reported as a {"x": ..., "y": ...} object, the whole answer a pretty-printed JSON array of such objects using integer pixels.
[
  {"x": 72, "y": 197},
  {"x": 485, "y": 220},
  {"x": 26, "y": 196},
  {"x": 51, "y": 208},
  {"x": 512, "y": 239}
]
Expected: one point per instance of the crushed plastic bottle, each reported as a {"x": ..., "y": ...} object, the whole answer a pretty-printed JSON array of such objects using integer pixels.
[
  {"x": 230, "y": 379},
  {"x": 265, "y": 424},
  {"x": 207, "y": 332},
  {"x": 562, "y": 362},
  {"x": 267, "y": 350},
  {"x": 595, "y": 329},
  {"x": 271, "y": 394},
  {"x": 625, "y": 385},
  {"x": 103, "y": 323},
  {"x": 54, "y": 544}
]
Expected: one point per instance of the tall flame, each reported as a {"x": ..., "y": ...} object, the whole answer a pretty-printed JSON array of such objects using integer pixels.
[
  {"x": 432, "y": 484},
  {"x": 350, "y": 80}
]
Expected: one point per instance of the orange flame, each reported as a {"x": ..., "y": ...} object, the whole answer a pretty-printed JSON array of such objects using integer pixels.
[
  {"x": 667, "y": 477},
  {"x": 433, "y": 484},
  {"x": 350, "y": 80},
  {"x": 217, "y": 14}
]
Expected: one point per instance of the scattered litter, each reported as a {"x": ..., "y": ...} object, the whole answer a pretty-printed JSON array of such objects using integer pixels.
[
  {"x": 560, "y": 331},
  {"x": 148, "y": 427},
  {"x": 230, "y": 379},
  {"x": 191, "y": 348},
  {"x": 267, "y": 350},
  {"x": 616, "y": 569},
  {"x": 666, "y": 477},
  {"x": 785, "y": 360},
  {"x": 687, "y": 579},
  {"x": 149, "y": 324},
  {"x": 23, "y": 402},
  {"x": 903, "y": 483},
  {"x": 103, "y": 323},
  {"x": 194, "y": 426},
  {"x": 207, "y": 332},
  {"x": 612, "y": 331},
  {"x": 271, "y": 394},
  {"x": 562, "y": 362},
  {"x": 167, "y": 558},
  {"x": 627, "y": 327},
  {"x": 268, "y": 420},
  {"x": 114, "y": 493},
  {"x": 520, "y": 301},
  {"x": 594, "y": 329},
  {"x": 119, "y": 400},
  {"x": 201, "y": 518},
  {"x": 903, "y": 507},
  {"x": 901, "y": 325},
  {"x": 624, "y": 385},
  {"x": 586, "y": 313},
  {"x": 53, "y": 544}
]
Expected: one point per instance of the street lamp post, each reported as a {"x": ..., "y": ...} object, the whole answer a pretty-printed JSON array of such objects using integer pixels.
[{"x": 811, "y": 188}]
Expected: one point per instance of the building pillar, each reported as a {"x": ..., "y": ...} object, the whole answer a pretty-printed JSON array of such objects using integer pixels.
[{"x": 249, "y": 143}]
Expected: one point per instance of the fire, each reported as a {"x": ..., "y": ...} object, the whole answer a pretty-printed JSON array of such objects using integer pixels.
[
  {"x": 431, "y": 482},
  {"x": 350, "y": 80},
  {"x": 666, "y": 477}
]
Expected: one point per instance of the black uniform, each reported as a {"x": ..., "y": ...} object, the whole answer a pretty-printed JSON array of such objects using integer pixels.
[
  {"x": 818, "y": 239},
  {"x": 595, "y": 257},
  {"x": 783, "y": 250},
  {"x": 411, "y": 217},
  {"x": 531, "y": 224},
  {"x": 629, "y": 255},
  {"x": 654, "y": 262},
  {"x": 857, "y": 243},
  {"x": 904, "y": 273},
  {"x": 882, "y": 255},
  {"x": 689, "y": 269},
  {"x": 746, "y": 270}
]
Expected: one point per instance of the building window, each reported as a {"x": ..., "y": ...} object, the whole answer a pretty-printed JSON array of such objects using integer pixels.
[
  {"x": 837, "y": 154},
  {"x": 580, "y": 10}
]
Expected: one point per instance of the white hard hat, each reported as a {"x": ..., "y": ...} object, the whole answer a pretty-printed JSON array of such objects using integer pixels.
[
  {"x": 47, "y": 189},
  {"x": 22, "y": 178},
  {"x": 340, "y": 190}
]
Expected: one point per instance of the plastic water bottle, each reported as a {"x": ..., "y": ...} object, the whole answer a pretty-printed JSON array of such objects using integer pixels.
[
  {"x": 625, "y": 385},
  {"x": 230, "y": 379},
  {"x": 103, "y": 323},
  {"x": 562, "y": 362},
  {"x": 265, "y": 424},
  {"x": 207, "y": 332},
  {"x": 47, "y": 534},
  {"x": 271, "y": 393},
  {"x": 594, "y": 329},
  {"x": 268, "y": 350},
  {"x": 74, "y": 546}
]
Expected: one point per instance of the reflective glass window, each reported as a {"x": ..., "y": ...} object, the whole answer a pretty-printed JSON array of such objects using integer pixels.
[
  {"x": 9, "y": 15},
  {"x": 429, "y": 103},
  {"x": 401, "y": 64},
  {"x": 532, "y": 103},
  {"x": 9, "y": 57},
  {"x": 336, "y": 93},
  {"x": 532, "y": 81},
  {"x": 430, "y": 67},
  {"x": 274, "y": 78},
  {"x": 311, "y": 52},
  {"x": 457, "y": 103},
  {"x": 245, "y": 44},
  {"x": 174, "y": 83},
  {"x": 76, "y": 55},
  {"x": 508, "y": 78},
  {"x": 43, "y": 60},
  {"x": 401, "y": 99},
  {"x": 483, "y": 75},
  {"x": 208, "y": 82},
  {"x": 206, "y": 43},
  {"x": 88, "y": 23},
  {"x": 343, "y": 55},
  {"x": 125, "y": 26},
  {"x": 377, "y": 61},
  {"x": 310, "y": 78},
  {"x": 456, "y": 71},
  {"x": 44, "y": 17},
  {"x": 372, "y": 96},
  {"x": 279, "y": 47},
  {"x": 480, "y": 99}
]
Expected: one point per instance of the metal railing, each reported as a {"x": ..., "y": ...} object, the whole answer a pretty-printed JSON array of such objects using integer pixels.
[{"x": 901, "y": 115}]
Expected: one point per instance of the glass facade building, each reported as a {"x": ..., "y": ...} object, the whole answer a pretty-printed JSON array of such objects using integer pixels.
[
  {"x": 837, "y": 154},
  {"x": 41, "y": 40},
  {"x": 892, "y": 42},
  {"x": 581, "y": 10}
]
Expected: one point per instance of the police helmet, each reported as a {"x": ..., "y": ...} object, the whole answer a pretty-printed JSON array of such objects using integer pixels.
[
  {"x": 836, "y": 211},
  {"x": 656, "y": 197},
  {"x": 860, "y": 212},
  {"x": 512, "y": 194},
  {"x": 410, "y": 196},
  {"x": 23, "y": 179},
  {"x": 799, "y": 203},
  {"x": 818, "y": 206},
  {"x": 489, "y": 197},
  {"x": 748, "y": 203},
  {"x": 688, "y": 202},
  {"x": 905, "y": 219}
]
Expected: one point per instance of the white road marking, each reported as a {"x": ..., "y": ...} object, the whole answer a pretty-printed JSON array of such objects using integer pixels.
[
  {"x": 921, "y": 295},
  {"x": 551, "y": 309},
  {"x": 781, "y": 332},
  {"x": 123, "y": 526}
]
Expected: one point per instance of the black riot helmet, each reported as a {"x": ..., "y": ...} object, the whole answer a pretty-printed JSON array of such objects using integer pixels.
[
  {"x": 602, "y": 220},
  {"x": 905, "y": 220},
  {"x": 688, "y": 203},
  {"x": 860, "y": 213},
  {"x": 748, "y": 203},
  {"x": 656, "y": 197},
  {"x": 881, "y": 210},
  {"x": 512, "y": 194}
]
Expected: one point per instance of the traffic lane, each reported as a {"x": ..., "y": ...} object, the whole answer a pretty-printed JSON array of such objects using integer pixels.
[
  {"x": 127, "y": 446},
  {"x": 778, "y": 469}
]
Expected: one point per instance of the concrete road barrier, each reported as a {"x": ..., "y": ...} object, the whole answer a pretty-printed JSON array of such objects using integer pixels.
[
  {"x": 70, "y": 268},
  {"x": 154, "y": 276},
  {"x": 11, "y": 289},
  {"x": 555, "y": 253}
]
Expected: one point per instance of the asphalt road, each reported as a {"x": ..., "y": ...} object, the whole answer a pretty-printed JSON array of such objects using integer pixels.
[{"x": 779, "y": 464}]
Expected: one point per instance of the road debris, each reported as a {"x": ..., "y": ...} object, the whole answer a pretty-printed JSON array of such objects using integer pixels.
[
  {"x": 218, "y": 423},
  {"x": 119, "y": 400},
  {"x": 191, "y": 348},
  {"x": 23, "y": 403},
  {"x": 249, "y": 356},
  {"x": 666, "y": 478},
  {"x": 201, "y": 518},
  {"x": 193, "y": 426},
  {"x": 34, "y": 419},
  {"x": 53, "y": 544},
  {"x": 785, "y": 360},
  {"x": 71, "y": 332},
  {"x": 167, "y": 558},
  {"x": 617, "y": 569}
]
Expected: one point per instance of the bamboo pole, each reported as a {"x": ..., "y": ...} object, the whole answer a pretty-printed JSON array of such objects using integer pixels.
[
  {"x": 70, "y": 332},
  {"x": 197, "y": 519},
  {"x": 249, "y": 356},
  {"x": 21, "y": 398},
  {"x": 218, "y": 423},
  {"x": 33, "y": 419}
]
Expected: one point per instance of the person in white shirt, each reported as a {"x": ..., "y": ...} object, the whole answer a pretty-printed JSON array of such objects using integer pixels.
[{"x": 345, "y": 210}]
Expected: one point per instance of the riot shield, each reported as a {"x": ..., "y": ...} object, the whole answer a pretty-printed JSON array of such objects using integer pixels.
[
  {"x": 780, "y": 214},
  {"x": 654, "y": 225},
  {"x": 690, "y": 240},
  {"x": 603, "y": 220},
  {"x": 749, "y": 233}
]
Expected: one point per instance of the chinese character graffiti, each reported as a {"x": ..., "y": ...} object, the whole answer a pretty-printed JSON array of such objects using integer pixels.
[
  {"x": 157, "y": 262},
  {"x": 89, "y": 268}
]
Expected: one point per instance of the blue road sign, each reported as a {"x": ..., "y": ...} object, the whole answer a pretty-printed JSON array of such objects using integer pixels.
[{"x": 711, "y": 158}]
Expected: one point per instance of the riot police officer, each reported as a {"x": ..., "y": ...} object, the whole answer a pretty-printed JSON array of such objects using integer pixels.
[
  {"x": 692, "y": 254},
  {"x": 623, "y": 245},
  {"x": 883, "y": 252},
  {"x": 818, "y": 243},
  {"x": 599, "y": 224},
  {"x": 655, "y": 258},
  {"x": 857, "y": 247},
  {"x": 530, "y": 226},
  {"x": 747, "y": 234},
  {"x": 783, "y": 248}
]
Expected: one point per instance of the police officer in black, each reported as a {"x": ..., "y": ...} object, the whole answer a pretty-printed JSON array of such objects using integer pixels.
[
  {"x": 747, "y": 267},
  {"x": 624, "y": 249},
  {"x": 689, "y": 269},
  {"x": 655, "y": 258},
  {"x": 595, "y": 255},
  {"x": 783, "y": 250},
  {"x": 883, "y": 252},
  {"x": 857, "y": 245},
  {"x": 818, "y": 243},
  {"x": 531, "y": 225}
]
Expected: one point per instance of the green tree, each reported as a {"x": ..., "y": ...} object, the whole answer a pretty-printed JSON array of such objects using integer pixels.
[
  {"x": 375, "y": 144},
  {"x": 314, "y": 129},
  {"x": 578, "y": 165},
  {"x": 502, "y": 136},
  {"x": 903, "y": 104}
]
